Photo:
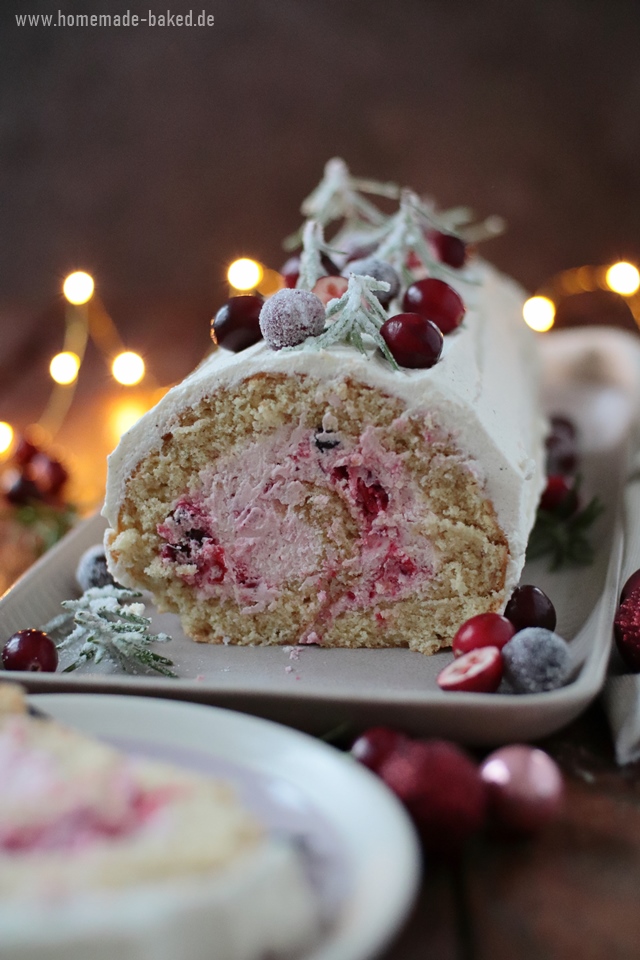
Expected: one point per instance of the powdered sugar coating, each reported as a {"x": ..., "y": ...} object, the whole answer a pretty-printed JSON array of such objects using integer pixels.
[
  {"x": 290, "y": 316},
  {"x": 536, "y": 660}
]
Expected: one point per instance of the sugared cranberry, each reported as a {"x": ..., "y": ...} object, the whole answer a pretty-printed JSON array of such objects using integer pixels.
[
  {"x": 330, "y": 288},
  {"x": 479, "y": 671},
  {"x": 379, "y": 270},
  {"x": 562, "y": 448},
  {"x": 449, "y": 249},
  {"x": 529, "y": 606},
  {"x": 375, "y": 745},
  {"x": 435, "y": 300},
  {"x": 559, "y": 494},
  {"x": 441, "y": 787},
  {"x": 235, "y": 325},
  {"x": 30, "y": 650},
  {"x": 290, "y": 270},
  {"x": 290, "y": 316},
  {"x": 632, "y": 583},
  {"x": 524, "y": 786},
  {"x": 483, "y": 630},
  {"x": 413, "y": 340}
]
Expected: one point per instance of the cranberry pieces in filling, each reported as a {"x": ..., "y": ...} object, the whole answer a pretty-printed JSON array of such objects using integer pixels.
[{"x": 258, "y": 523}]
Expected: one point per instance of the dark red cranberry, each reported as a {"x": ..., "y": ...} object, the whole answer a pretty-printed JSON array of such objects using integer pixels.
[
  {"x": 19, "y": 490},
  {"x": 290, "y": 270},
  {"x": 435, "y": 300},
  {"x": 30, "y": 650},
  {"x": 374, "y": 746},
  {"x": 632, "y": 583},
  {"x": 449, "y": 249},
  {"x": 235, "y": 325},
  {"x": 25, "y": 451},
  {"x": 48, "y": 474},
  {"x": 559, "y": 494},
  {"x": 562, "y": 449},
  {"x": 529, "y": 606},
  {"x": 564, "y": 428},
  {"x": 414, "y": 341}
]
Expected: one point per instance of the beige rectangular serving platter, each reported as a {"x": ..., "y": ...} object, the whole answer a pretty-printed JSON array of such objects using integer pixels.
[{"x": 592, "y": 375}]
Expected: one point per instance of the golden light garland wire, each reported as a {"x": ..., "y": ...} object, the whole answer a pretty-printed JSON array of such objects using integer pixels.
[{"x": 86, "y": 316}]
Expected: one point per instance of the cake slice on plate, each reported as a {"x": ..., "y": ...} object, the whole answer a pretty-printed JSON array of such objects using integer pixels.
[{"x": 102, "y": 854}]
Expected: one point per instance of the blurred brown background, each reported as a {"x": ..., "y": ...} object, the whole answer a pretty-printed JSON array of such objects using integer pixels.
[{"x": 153, "y": 156}]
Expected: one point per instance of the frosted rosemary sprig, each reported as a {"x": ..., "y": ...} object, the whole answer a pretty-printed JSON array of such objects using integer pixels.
[
  {"x": 313, "y": 246},
  {"x": 404, "y": 234},
  {"x": 107, "y": 623},
  {"x": 339, "y": 196},
  {"x": 356, "y": 314}
]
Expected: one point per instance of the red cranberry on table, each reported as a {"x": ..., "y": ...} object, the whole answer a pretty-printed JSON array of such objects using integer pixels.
[
  {"x": 375, "y": 745},
  {"x": 30, "y": 650},
  {"x": 413, "y": 340},
  {"x": 483, "y": 630},
  {"x": 525, "y": 788},
  {"x": 449, "y": 248},
  {"x": 435, "y": 300},
  {"x": 529, "y": 606},
  {"x": 235, "y": 325},
  {"x": 479, "y": 671}
]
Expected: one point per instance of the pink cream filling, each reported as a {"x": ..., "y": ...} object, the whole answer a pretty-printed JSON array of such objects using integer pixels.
[{"x": 245, "y": 532}]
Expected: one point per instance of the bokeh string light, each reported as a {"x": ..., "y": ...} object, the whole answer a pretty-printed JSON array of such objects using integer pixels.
[
  {"x": 86, "y": 317},
  {"x": 622, "y": 278}
]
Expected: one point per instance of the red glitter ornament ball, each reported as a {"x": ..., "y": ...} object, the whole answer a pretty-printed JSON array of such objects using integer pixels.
[{"x": 627, "y": 630}]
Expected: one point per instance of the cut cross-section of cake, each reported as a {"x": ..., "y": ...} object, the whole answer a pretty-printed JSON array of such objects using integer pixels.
[
  {"x": 111, "y": 855},
  {"x": 323, "y": 493}
]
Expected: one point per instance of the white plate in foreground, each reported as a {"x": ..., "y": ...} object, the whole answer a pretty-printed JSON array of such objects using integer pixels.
[
  {"x": 359, "y": 843},
  {"x": 591, "y": 375}
]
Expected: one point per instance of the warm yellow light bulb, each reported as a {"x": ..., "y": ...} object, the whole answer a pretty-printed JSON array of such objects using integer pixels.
[
  {"x": 244, "y": 274},
  {"x": 623, "y": 278},
  {"x": 6, "y": 436},
  {"x": 539, "y": 313},
  {"x": 128, "y": 368},
  {"x": 64, "y": 367},
  {"x": 78, "y": 287}
]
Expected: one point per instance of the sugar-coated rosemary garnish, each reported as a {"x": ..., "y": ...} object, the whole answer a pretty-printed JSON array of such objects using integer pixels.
[
  {"x": 562, "y": 533},
  {"x": 339, "y": 196},
  {"x": 106, "y": 622},
  {"x": 356, "y": 314}
]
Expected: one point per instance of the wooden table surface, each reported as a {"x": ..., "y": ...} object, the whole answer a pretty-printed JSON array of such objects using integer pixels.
[{"x": 572, "y": 891}]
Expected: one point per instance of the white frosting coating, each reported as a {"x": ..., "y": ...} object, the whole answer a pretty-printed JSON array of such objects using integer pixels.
[{"x": 483, "y": 391}]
